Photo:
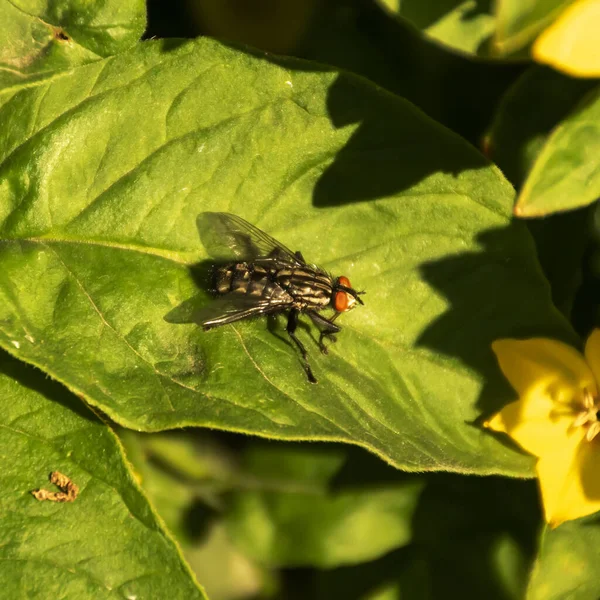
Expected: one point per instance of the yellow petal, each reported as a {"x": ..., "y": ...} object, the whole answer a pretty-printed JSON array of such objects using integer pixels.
[
  {"x": 570, "y": 44},
  {"x": 534, "y": 424},
  {"x": 549, "y": 377},
  {"x": 592, "y": 353},
  {"x": 570, "y": 481},
  {"x": 530, "y": 363}
]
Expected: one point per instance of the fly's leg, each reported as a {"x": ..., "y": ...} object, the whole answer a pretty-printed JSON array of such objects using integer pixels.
[
  {"x": 327, "y": 328},
  {"x": 291, "y": 329},
  {"x": 299, "y": 256}
]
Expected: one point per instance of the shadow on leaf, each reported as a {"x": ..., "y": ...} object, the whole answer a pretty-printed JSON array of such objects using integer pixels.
[
  {"x": 389, "y": 153},
  {"x": 491, "y": 295},
  {"x": 480, "y": 530},
  {"x": 30, "y": 378}
]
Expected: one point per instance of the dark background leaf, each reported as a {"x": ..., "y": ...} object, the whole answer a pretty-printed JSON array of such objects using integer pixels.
[
  {"x": 480, "y": 530},
  {"x": 566, "y": 563},
  {"x": 530, "y": 109},
  {"x": 563, "y": 176}
]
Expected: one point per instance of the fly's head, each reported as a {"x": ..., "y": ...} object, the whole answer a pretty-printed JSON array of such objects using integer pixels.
[{"x": 345, "y": 297}]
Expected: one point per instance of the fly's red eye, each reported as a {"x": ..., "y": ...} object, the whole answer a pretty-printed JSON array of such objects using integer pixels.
[{"x": 341, "y": 301}]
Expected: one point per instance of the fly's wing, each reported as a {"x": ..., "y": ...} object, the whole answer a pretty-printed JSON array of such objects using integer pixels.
[
  {"x": 233, "y": 307},
  {"x": 228, "y": 237}
]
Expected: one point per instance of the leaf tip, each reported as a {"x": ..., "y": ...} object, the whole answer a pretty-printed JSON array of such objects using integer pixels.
[
  {"x": 528, "y": 211},
  {"x": 486, "y": 146}
]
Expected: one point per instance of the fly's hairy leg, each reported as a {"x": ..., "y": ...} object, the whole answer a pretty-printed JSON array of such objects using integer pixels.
[
  {"x": 327, "y": 328},
  {"x": 291, "y": 329}
]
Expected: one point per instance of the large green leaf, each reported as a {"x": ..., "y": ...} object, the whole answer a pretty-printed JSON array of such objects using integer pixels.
[
  {"x": 565, "y": 175},
  {"x": 463, "y": 25},
  {"x": 103, "y": 173},
  {"x": 565, "y": 568},
  {"x": 107, "y": 543},
  {"x": 519, "y": 21},
  {"x": 41, "y": 36}
]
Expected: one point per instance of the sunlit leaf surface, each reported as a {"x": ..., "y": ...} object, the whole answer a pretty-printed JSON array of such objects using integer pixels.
[
  {"x": 103, "y": 172},
  {"x": 108, "y": 542},
  {"x": 460, "y": 25},
  {"x": 566, "y": 173},
  {"x": 39, "y": 37}
]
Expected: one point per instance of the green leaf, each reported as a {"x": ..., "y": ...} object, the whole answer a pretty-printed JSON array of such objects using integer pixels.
[
  {"x": 196, "y": 462},
  {"x": 519, "y": 21},
  {"x": 104, "y": 171},
  {"x": 272, "y": 26},
  {"x": 371, "y": 41},
  {"x": 170, "y": 496},
  {"x": 41, "y": 36},
  {"x": 562, "y": 264},
  {"x": 565, "y": 175},
  {"x": 565, "y": 568},
  {"x": 404, "y": 573},
  {"x": 107, "y": 542},
  {"x": 226, "y": 573},
  {"x": 482, "y": 531},
  {"x": 297, "y": 520},
  {"x": 537, "y": 102},
  {"x": 534, "y": 105},
  {"x": 188, "y": 504},
  {"x": 463, "y": 25}
]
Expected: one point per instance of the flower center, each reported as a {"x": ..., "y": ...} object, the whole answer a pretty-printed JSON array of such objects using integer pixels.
[{"x": 589, "y": 416}]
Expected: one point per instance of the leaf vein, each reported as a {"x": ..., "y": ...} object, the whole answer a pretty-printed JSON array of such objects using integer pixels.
[
  {"x": 293, "y": 400},
  {"x": 158, "y": 375}
]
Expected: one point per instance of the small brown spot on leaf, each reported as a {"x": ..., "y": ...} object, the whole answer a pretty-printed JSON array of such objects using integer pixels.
[
  {"x": 68, "y": 493},
  {"x": 59, "y": 34}
]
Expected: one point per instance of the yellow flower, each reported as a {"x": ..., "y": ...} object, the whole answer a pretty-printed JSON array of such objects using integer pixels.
[
  {"x": 556, "y": 418},
  {"x": 570, "y": 44}
]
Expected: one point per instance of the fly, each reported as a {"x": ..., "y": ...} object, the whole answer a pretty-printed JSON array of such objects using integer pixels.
[{"x": 259, "y": 276}]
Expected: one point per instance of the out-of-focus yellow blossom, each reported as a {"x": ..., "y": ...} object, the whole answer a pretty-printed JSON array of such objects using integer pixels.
[
  {"x": 570, "y": 44},
  {"x": 556, "y": 418}
]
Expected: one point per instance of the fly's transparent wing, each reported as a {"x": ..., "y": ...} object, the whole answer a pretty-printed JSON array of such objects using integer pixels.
[
  {"x": 234, "y": 307},
  {"x": 229, "y": 237}
]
